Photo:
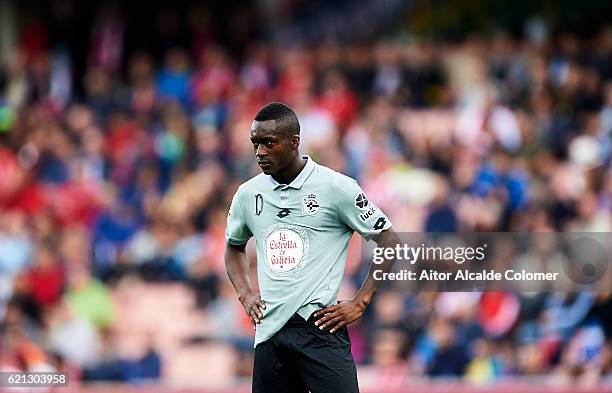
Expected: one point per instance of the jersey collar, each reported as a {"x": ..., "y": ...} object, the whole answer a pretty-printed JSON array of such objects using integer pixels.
[{"x": 301, "y": 177}]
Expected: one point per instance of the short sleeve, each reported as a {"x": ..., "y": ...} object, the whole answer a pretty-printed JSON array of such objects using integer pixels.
[
  {"x": 236, "y": 231},
  {"x": 359, "y": 213}
]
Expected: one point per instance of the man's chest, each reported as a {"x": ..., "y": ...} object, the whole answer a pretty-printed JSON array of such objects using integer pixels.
[{"x": 314, "y": 209}]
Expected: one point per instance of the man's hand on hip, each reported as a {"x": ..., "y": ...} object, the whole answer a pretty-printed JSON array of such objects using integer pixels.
[
  {"x": 336, "y": 316},
  {"x": 253, "y": 306}
]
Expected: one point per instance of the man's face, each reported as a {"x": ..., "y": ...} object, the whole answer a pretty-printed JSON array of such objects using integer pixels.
[{"x": 274, "y": 150}]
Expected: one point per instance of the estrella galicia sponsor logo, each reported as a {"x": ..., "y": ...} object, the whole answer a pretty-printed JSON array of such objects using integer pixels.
[
  {"x": 286, "y": 248},
  {"x": 310, "y": 205},
  {"x": 365, "y": 216},
  {"x": 361, "y": 201},
  {"x": 283, "y": 213}
]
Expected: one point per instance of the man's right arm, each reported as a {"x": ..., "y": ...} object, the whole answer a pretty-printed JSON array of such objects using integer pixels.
[
  {"x": 237, "y": 267},
  {"x": 237, "y": 233}
]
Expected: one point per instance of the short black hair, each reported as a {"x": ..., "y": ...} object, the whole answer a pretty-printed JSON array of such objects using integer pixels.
[{"x": 285, "y": 117}]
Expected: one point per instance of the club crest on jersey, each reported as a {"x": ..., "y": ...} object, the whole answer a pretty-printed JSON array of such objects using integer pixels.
[{"x": 310, "y": 205}]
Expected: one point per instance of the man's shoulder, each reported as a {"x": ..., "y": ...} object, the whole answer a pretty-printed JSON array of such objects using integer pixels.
[
  {"x": 253, "y": 184},
  {"x": 334, "y": 178}
]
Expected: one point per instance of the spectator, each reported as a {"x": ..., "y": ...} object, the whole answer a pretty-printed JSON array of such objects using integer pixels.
[{"x": 114, "y": 164}]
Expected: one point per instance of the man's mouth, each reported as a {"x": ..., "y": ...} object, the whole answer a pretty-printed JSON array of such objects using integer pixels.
[{"x": 264, "y": 164}]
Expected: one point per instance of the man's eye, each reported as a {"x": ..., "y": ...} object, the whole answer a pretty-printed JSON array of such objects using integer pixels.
[{"x": 269, "y": 144}]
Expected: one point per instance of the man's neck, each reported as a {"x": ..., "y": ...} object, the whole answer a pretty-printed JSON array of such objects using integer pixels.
[{"x": 291, "y": 172}]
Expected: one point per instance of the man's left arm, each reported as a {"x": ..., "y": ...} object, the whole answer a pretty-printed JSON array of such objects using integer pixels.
[
  {"x": 344, "y": 313},
  {"x": 362, "y": 216}
]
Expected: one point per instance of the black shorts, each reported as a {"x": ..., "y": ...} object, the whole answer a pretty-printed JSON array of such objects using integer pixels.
[{"x": 302, "y": 358}]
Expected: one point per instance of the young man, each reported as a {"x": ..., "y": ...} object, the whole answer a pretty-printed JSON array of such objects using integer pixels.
[{"x": 302, "y": 215}]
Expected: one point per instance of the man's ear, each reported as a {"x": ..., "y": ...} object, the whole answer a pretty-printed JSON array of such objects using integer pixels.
[{"x": 295, "y": 141}]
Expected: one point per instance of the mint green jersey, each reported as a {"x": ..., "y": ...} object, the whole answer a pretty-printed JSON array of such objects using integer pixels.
[{"x": 302, "y": 231}]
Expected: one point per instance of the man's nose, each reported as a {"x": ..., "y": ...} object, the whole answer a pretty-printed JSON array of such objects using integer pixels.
[{"x": 261, "y": 151}]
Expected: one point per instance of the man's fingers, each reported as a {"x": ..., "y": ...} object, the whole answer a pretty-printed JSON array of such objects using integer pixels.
[
  {"x": 338, "y": 326},
  {"x": 321, "y": 312},
  {"x": 257, "y": 310},
  {"x": 255, "y": 317},
  {"x": 261, "y": 304},
  {"x": 326, "y": 310},
  {"x": 254, "y": 313},
  {"x": 331, "y": 322},
  {"x": 252, "y": 321},
  {"x": 325, "y": 318}
]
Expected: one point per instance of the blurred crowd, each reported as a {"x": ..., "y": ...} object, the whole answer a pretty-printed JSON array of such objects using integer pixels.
[{"x": 126, "y": 172}]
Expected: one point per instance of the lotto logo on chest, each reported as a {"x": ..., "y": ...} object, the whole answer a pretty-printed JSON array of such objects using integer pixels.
[{"x": 310, "y": 205}]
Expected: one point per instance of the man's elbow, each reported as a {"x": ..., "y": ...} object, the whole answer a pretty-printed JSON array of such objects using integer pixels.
[{"x": 387, "y": 238}]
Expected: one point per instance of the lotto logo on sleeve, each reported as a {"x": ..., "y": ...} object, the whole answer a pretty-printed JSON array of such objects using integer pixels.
[{"x": 286, "y": 248}]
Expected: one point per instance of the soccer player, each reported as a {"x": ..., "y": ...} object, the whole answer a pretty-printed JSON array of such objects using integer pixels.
[{"x": 302, "y": 215}]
